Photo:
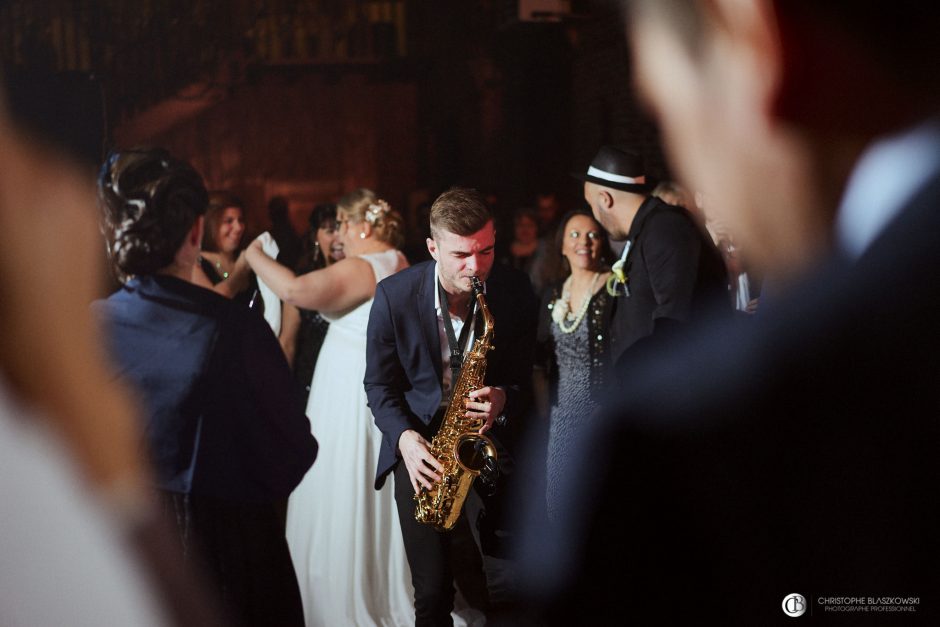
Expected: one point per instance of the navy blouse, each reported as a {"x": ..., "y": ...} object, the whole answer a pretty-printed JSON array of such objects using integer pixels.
[{"x": 223, "y": 416}]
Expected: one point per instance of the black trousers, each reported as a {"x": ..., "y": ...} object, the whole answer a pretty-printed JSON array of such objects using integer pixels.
[{"x": 438, "y": 558}]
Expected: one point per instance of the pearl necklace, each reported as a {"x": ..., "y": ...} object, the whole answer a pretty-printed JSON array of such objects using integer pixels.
[{"x": 565, "y": 304}]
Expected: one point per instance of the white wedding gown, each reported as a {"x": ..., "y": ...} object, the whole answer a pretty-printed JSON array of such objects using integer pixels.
[{"x": 344, "y": 536}]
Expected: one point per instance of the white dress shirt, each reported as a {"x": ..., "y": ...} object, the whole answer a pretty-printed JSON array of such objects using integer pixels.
[{"x": 457, "y": 322}]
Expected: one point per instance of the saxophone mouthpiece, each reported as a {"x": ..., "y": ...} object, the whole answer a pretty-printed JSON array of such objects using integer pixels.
[{"x": 476, "y": 285}]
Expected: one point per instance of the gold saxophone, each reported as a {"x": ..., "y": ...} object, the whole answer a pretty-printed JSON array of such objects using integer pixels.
[{"x": 457, "y": 446}]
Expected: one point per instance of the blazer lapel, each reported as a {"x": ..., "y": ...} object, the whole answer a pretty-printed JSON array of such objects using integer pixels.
[{"x": 427, "y": 317}]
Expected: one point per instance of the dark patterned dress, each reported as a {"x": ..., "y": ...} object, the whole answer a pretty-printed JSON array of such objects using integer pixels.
[{"x": 577, "y": 364}]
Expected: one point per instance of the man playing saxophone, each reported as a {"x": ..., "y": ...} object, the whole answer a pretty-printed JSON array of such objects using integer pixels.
[{"x": 423, "y": 322}]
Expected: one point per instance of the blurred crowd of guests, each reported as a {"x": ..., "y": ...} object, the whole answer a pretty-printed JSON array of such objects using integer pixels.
[{"x": 209, "y": 444}]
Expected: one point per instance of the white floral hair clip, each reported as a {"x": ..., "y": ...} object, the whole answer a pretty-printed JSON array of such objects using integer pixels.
[{"x": 376, "y": 210}]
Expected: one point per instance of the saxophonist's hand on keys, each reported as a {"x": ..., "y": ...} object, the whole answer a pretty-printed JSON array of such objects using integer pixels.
[
  {"x": 422, "y": 467},
  {"x": 486, "y": 404}
]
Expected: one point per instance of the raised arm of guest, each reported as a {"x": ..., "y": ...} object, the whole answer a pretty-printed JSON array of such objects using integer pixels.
[{"x": 338, "y": 287}]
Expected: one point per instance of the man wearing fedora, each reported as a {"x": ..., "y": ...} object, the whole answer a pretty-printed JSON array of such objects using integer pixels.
[{"x": 669, "y": 271}]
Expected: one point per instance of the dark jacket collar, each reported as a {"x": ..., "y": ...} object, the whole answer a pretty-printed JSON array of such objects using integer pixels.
[
  {"x": 427, "y": 317},
  {"x": 174, "y": 291},
  {"x": 646, "y": 207}
]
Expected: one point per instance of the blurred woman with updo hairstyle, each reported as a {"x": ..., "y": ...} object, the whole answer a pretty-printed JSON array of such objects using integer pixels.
[
  {"x": 82, "y": 541},
  {"x": 343, "y": 535},
  {"x": 224, "y": 426}
]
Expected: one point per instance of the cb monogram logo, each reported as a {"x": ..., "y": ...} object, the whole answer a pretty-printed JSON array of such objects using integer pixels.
[{"x": 794, "y": 605}]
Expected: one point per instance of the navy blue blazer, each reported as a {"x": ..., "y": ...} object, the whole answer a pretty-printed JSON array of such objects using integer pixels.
[
  {"x": 403, "y": 360},
  {"x": 223, "y": 416}
]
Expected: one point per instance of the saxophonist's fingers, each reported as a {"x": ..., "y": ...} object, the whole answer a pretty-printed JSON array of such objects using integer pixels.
[
  {"x": 435, "y": 466},
  {"x": 427, "y": 477},
  {"x": 482, "y": 407},
  {"x": 423, "y": 481},
  {"x": 418, "y": 478}
]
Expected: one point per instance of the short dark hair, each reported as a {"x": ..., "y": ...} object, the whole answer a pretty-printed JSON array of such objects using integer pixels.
[
  {"x": 461, "y": 211},
  {"x": 149, "y": 201},
  {"x": 323, "y": 215}
]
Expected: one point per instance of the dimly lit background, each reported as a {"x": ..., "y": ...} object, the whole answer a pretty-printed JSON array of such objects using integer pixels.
[{"x": 311, "y": 98}]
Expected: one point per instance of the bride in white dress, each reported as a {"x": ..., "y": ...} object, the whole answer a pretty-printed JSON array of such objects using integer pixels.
[{"x": 344, "y": 536}]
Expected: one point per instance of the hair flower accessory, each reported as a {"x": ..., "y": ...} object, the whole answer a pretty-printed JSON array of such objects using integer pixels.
[{"x": 375, "y": 211}]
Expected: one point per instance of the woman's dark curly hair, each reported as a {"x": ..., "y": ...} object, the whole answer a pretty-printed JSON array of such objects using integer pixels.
[{"x": 149, "y": 201}]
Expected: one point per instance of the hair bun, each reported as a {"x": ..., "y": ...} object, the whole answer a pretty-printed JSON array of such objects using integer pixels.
[{"x": 150, "y": 201}]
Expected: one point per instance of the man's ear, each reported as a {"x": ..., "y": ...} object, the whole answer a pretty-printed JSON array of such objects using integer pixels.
[
  {"x": 432, "y": 248},
  {"x": 605, "y": 198}
]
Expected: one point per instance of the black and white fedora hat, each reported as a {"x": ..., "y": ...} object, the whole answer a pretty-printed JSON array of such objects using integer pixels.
[{"x": 618, "y": 168}]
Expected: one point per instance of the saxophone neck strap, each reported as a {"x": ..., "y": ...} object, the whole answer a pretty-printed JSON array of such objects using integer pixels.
[{"x": 456, "y": 345}]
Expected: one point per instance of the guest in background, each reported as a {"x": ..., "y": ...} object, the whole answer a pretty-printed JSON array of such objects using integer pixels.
[
  {"x": 414, "y": 248},
  {"x": 322, "y": 248},
  {"x": 520, "y": 252},
  {"x": 674, "y": 194},
  {"x": 743, "y": 285},
  {"x": 214, "y": 384},
  {"x": 321, "y": 245},
  {"x": 221, "y": 267},
  {"x": 535, "y": 255},
  {"x": 669, "y": 272},
  {"x": 573, "y": 341},
  {"x": 548, "y": 210},
  {"x": 548, "y": 265}
]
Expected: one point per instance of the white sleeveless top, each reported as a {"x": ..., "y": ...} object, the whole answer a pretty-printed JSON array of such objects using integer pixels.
[{"x": 383, "y": 264}]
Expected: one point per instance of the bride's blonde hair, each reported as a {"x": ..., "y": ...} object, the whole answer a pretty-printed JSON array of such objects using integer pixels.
[{"x": 363, "y": 205}]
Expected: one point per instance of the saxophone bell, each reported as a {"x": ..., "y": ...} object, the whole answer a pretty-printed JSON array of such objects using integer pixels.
[{"x": 472, "y": 451}]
